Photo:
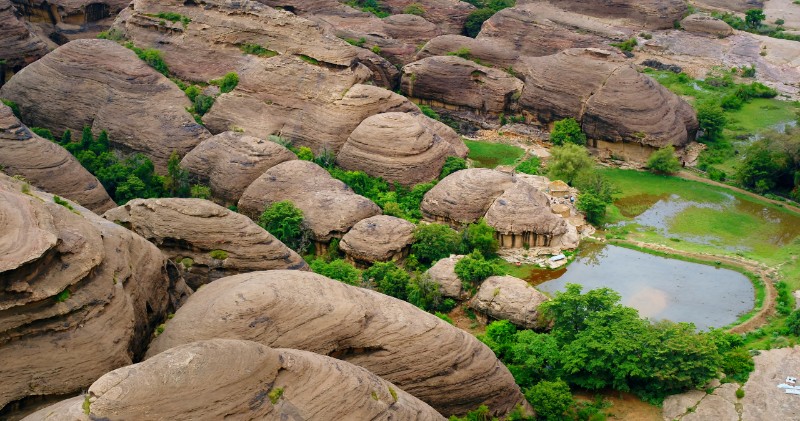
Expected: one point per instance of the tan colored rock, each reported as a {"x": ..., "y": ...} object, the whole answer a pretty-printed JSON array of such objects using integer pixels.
[
  {"x": 201, "y": 381},
  {"x": 439, "y": 364},
  {"x": 731, "y": 5},
  {"x": 47, "y": 165},
  {"x": 80, "y": 295},
  {"x": 194, "y": 229},
  {"x": 19, "y": 44},
  {"x": 380, "y": 238},
  {"x": 443, "y": 273},
  {"x": 461, "y": 83},
  {"x": 449, "y": 15},
  {"x": 464, "y": 196},
  {"x": 486, "y": 50},
  {"x": 330, "y": 208},
  {"x": 762, "y": 399},
  {"x": 713, "y": 407},
  {"x": 230, "y": 161},
  {"x": 677, "y": 405},
  {"x": 400, "y": 148},
  {"x": 99, "y": 83},
  {"x": 510, "y": 298},
  {"x": 646, "y": 14},
  {"x": 705, "y": 24}
]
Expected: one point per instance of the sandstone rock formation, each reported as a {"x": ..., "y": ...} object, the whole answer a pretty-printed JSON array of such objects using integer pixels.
[
  {"x": 330, "y": 208},
  {"x": 230, "y": 161},
  {"x": 81, "y": 295},
  {"x": 259, "y": 383},
  {"x": 19, "y": 44},
  {"x": 400, "y": 148},
  {"x": 205, "y": 239},
  {"x": 100, "y": 84},
  {"x": 486, "y": 50},
  {"x": 762, "y": 400},
  {"x": 430, "y": 359},
  {"x": 620, "y": 109},
  {"x": 705, "y": 24},
  {"x": 447, "y": 14},
  {"x": 646, "y": 14},
  {"x": 464, "y": 196},
  {"x": 47, "y": 165},
  {"x": 509, "y": 298},
  {"x": 461, "y": 83},
  {"x": 443, "y": 273},
  {"x": 380, "y": 238},
  {"x": 732, "y": 5}
]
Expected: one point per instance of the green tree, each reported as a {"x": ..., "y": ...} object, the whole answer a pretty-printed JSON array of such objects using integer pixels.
[
  {"x": 424, "y": 293},
  {"x": 593, "y": 206},
  {"x": 285, "y": 222},
  {"x": 712, "y": 120},
  {"x": 529, "y": 166},
  {"x": 480, "y": 236},
  {"x": 474, "y": 21},
  {"x": 451, "y": 165},
  {"x": 500, "y": 336},
  {"x": 337, "y": 269},
  {"x": 473, "y": 269},
  {"x": 754, "y": 17},
  {"x": 533, "y": 357},
  {"x": 177, "y": 180},
  {"x": 551, "y": 400},
  {"x": 434, "y": 241},
  {"x": 596, "y": 183},
  {"x": 761, "y": 169},
  {"x": 570, "y": 309},
  {"x": 390, "y": 279},
  {"x": 568, "y": 162},
  {"x": 664, "y": 161},
  {"x": 567, "y": 131}
]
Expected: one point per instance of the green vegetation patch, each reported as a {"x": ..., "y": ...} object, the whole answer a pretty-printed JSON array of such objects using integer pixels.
[
  {"x": 63, "y": 296},
  {"x": 218, "y": 254},
  {"x": 275, "y": 395},
  {"x": 172, "y": 17},
  {"x": 490, "y": 155},
  {"x": 257, "y": 50},
  {"x": 151, "y": 56}
]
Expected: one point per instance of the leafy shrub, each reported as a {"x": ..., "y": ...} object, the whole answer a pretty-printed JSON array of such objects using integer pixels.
[
  {"x": 626, "y": 45},
  {"x": 529, "y": 166},
  {"x": 443, "y": 317},
  {"x": 664, "y": 161},
  {"x": 63, "y": 296},
  {"x": 712, "y": 120},
  {"x": 257, "y": 50},
  {"x": 218, "y": 254},
  {"x": 473, "y": 269},
  {"x": 337, "y": 269},
  {"x": 429, "y": 112},
  {"x": 285, "y": 221},
  {"x": 173, "y": 17},
  {"x": 479, "y": 236},
  {"x": 45, "y": 133},
  {"x": 551, "y": 400},
  {"x": 447, "y": 305},
  {"x": 739, "y": 393},
  {"x": 424, "y": 293},
  {"x": 390, "y": 279},
  {"x": 434, "y": 241},
  {"x": 568, "y": 162},
  {"x": 305, "y": 153},
  {"x": 357, "y": 42},
  {"x": 58, "y": 200},
  {"x": 226, "y": 83},
  {"x": 199, "y": 191},
  {"x": 785, "y": 303},
  {"x": 369, "y": 6},
  {"x": 150, "y": 56},
  {"x": 13, "y": 105},
  {"x": 451, "y": 165},
  {"x": 567, "y": 131},
  {"x": 474, "y": 21}
]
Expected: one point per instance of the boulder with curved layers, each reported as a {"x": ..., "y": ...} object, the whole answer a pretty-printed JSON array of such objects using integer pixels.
[
  {"x": 47, "y": 165},
  {"x": 207, "y": 240},
  {"x": 19, "y": 44},
  {"x": 430, "y": 359},
  {"x": 105, "y": 86},
  {"x": 705, "y": 24},
  {"x": 461, "y": 83},
  {"x": 510, "y": 298},
  {"x": 443, "y": 273},
  {"x": 80, "y": 295},
  {"x": 201, "y": 380},
  {"x": 644, "y": 14},
  {"x": 449, "y": 15},
  {"x": 400, "y": 148},
  {"x": 486, "y": 50},
  {"x": 330, "y": 208},
  {"x": 380, "y": 238},
  {"x": 732, "y": 5},
  {"x": 230, "y": 161},
  {"x": 464, "y": 196}
]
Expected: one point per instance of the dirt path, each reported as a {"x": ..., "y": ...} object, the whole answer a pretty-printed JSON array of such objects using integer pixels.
[
  {"x": 687, "y": 175},
  {"x": 766, "y": 274}
]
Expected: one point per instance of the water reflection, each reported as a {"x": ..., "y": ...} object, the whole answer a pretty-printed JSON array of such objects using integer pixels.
[{"x": 658, "y": 287}]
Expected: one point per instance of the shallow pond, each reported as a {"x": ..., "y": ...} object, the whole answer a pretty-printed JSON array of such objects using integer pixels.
[{"x": 659, "y": 288}]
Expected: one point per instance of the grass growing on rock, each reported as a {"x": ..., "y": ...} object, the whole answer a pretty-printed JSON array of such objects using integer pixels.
[{"x": 490, "y": 155}]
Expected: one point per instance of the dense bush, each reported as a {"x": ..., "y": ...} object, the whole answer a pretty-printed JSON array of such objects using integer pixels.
[
  {"x": 486, "y": 9},
  {"x": 664, "y": 161},
  {"x": 424, "y": 293},
  {"x": 451, "y": 165},
  {"x": 529, "y": 166},
  {"x": 285, "y": 221},
  {"x": 371, "y": 6},
  {"x": 150, "y": 56},
  {"x": 389, "y": 279},
  {"x": 712, "y": 120},
  {"x": 552, "y": 400},
  {"x": 479, "y": 236},
  {"x": 395, "y": 200},
  {"x": 473, "y": 269},
  {"x": 434, "y": 241},
  {"x": 568, "y": 162},
  {"x": 13, "y": 105},
  {"x": 567, "y": 131},
  {"x": 226, "y": 83},
  {"x": 337, "y": 269}
]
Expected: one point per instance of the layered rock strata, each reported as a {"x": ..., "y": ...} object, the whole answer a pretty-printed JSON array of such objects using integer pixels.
[
  {"x": 510, "y": 298},
  {"x": 380, "y": 238}
]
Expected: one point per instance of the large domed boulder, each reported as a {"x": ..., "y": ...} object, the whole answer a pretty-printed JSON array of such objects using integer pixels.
[
  {"x": 522, "y": 217},
  {"x": 47, "y": 165},
  {"x": 619, "y": 108},
  {"x": 380, "y": 238},
  {"x": 643, "y": 14},
  {"x": 464, "y": 196},
  {"x": 704, "y": 24},
  {"x": 486, "y": 50},
  {"x": 731, "y": 5},
  {"x": 449, "y": 15},
  {"x": 510, "y": 298},
  {"x": 400, "y": 148},
  {"x": 230, "y": 161},
  {"x": 206, "y": 240},
  {"x": 19, "y": 44},
  {"x": 105, "y": 86},
  {"x": 430, "y": 359},
  {"x": 80, "y": 295},
  {"x": 330, "y": 208},
  {"x": 443, "y": 273},
  {"x": 461, "y": 83},
  {"x": 201, "y": 380}
]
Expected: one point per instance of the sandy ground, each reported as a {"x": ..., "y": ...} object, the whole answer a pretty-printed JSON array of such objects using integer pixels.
[{"x": 783, "y": 9}]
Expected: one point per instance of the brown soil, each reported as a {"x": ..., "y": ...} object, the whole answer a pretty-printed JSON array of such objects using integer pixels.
[{"x": 624, "y": 406}]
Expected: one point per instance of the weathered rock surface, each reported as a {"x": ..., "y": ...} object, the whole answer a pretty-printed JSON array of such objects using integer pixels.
[
  {"x": 439, "y": 364},
  {"x": 647, "y": 14},
  {"x": 443, "y": 273},
  {"x": 733, "y": 5},
  {"x": 330, "y": 208},
  {"x": 510, "y": 298},
  {"x": 400, "y": 148},
  {"x": 19, "y": 44},
  {"x": 47, "y": 165},
  {"x": 762, "y": 400},
  {"x": 210, "y": 45},
  {"x": 486, "y": 50},
  {"x": 99, "y": 83},
  {"x": 259, "y": 383},
  {"x": 705, "y": 24},
  {"x": 194, "y": 228},
  {"x": 462, "y": 83},
  {"x": 447, "y": 14},
  {"x": 80, "y": 295},
  {"x": 464, "y": 196},
  {"x": 230, "y": 161},
  {"x": 380, "y": 238}
]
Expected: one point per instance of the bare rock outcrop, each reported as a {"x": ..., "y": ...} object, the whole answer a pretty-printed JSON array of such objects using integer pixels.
[
  {"x": 510, "y": 298},
  {"x": 80, "y": 295},
  {"x": 449, "y": 15},
  {"x": 19, "y": 44},
  {"x": 330, "y": 208},
  {"x": 443, "y": 273},
  {"x": 201, "y": 381},
  {"x": 731, "y": 5},
  {"x": 645, "y": 14},
  {"x": 100, "y": 84},
  {"x": 705, "y": 24},
  {"x": 380, "y": 238},
  {"x": 461, "y": 83},
  {"x": 439, "y": 364},
  {"x": 47, "y": 165},
  {"x": 762, "y": 400},
  {"x": 400, "y": 148},
  {"x": 230, "y": 161},
  {"x": 205, "y": 239},
  {"x": 464, "y": 196},
  {"x": 486, "y": 50}
]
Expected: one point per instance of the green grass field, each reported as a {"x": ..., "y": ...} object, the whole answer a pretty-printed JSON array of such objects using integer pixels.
[{"x": 490, "y": 155}]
